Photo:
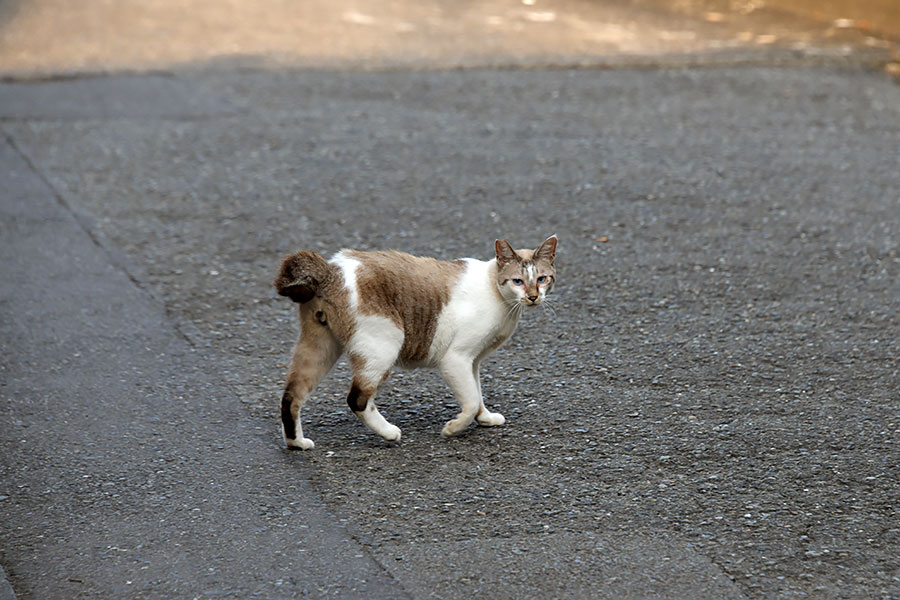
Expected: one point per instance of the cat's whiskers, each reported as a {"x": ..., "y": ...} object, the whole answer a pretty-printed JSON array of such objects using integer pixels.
[
  {"x": 547, "y": 304},
  {"x": 551, "y": 308},
  {"x": 515, "y": 309}
]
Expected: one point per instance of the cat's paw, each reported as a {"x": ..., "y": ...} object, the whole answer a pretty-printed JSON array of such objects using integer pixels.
[
  {"x": 455, "y": 426},
  {"x": 489, "y": 419},
  {"x": 301, "y": 443},
  {"x": 390, "y": 433}
]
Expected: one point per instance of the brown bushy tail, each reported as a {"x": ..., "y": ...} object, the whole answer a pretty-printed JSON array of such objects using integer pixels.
[{"x": 302, "y": 275}]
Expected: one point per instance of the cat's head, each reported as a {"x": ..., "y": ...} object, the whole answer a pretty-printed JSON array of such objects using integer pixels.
[{"x": 525, "y": 276}]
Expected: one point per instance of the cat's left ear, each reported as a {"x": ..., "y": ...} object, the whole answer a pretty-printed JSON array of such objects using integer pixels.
[
  {"x": 547, "y": 250},
  {"x": 505, "y": 253}
]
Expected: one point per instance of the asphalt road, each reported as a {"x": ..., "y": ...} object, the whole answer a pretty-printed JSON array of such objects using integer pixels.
[{"x": 710, "y": 409}]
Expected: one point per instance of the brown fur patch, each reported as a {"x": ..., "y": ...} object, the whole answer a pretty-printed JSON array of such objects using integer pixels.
[
  {"x": 409, "y": 290},
  {"x": 330, "y": 307},
  {"x": 356, "y": 399},
  {"x": 314, "y": 353},
  {"x": 288, "y": 414},
  {"x": 301, "y": 274},
  {"x": 525, "y": 255}
]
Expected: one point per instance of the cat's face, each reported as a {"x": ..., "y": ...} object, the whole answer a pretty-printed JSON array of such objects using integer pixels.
[{"x": 525, "y": 277}]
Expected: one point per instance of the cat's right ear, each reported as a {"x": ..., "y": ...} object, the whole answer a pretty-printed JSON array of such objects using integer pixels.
[{"x": 505, "y": 253}]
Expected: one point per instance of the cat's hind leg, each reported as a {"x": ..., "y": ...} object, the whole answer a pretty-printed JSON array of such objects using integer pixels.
[
  {"x": 314, "y": 354},
  {"x": 361, "y": 400},
  {"x": 485, "y": 417},
  {"x": 373, "y": 350}
]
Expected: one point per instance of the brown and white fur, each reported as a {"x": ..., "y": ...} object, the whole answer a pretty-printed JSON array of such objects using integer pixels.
[{"x": 390, "y": 308}]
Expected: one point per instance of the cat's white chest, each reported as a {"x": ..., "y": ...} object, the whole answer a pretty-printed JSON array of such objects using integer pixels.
[{"x": 475, "y": 321}]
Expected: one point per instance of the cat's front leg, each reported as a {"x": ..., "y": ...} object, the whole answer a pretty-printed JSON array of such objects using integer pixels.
[
  {"x": 459, "y": 373},
  {"x": 485, "y": 417}
]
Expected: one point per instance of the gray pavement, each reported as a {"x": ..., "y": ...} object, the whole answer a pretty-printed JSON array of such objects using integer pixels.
[
  {"x": 129, "y": 469},
  {"x": 6, "y": 590},
  {"x": 709, "y": 412}
]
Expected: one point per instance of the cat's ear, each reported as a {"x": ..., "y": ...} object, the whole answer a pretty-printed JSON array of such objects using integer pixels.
[
  {"x": 505, "y": 253},
  {"x": 547, "y": 250}
]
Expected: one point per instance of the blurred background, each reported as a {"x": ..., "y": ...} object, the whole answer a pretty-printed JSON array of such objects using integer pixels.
[{"x": 39, "y": 37}]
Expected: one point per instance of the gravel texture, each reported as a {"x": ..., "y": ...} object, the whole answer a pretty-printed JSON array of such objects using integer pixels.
[{"x": 719, "y": 367}]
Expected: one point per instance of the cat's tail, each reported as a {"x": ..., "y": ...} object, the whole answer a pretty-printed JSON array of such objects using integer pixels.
[{"x": 302, "y": 275}]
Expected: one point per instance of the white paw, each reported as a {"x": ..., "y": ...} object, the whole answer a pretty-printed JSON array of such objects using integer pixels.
[
  {"x": 453, "y": 427},
  {"x": 391, "y": 433},
  {"x": 489, "y": 419},
  {"x": 302, "y": 443}
]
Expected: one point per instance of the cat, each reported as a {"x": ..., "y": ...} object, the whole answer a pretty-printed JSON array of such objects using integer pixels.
[{"x": 388, "y": 308}]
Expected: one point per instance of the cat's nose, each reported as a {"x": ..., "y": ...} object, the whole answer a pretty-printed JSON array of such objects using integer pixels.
[{"x": 533, "y": 299}]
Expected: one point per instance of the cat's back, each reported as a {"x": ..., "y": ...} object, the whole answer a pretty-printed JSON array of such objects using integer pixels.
[
  {"x": 409, "y": 290},
  {"x": 383, "y": 278}
]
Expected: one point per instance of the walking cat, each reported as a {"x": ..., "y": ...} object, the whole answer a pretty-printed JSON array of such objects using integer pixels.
[{"x": 391, "y": 308}]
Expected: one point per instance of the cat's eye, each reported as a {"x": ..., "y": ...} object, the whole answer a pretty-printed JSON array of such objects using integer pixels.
[
  {"x": 518, "y": 282},
  {"x": 542, "y": 279}
]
